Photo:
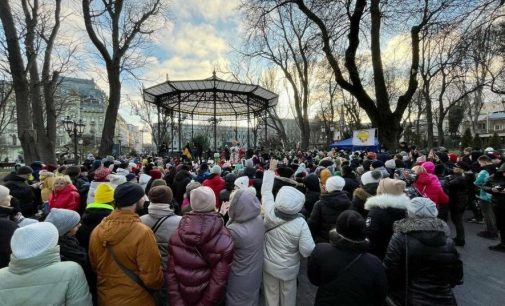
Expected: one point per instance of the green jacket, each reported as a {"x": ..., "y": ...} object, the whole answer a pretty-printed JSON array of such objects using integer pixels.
[{"x": 43, "y": 280}]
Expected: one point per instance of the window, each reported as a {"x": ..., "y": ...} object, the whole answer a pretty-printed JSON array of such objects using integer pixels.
[
  {"x": 498, "y": 127},
  {"x": 481, "y": 126},
  {"x": 14, "y": 140}
]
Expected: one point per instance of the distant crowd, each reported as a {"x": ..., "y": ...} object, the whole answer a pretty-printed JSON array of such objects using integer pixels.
[{"x": 233, "y": 227}]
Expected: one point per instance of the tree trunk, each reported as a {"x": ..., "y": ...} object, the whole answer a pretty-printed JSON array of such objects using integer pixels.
[
  {"x": 429, "y": 117},
  {"x": 111, "y": 113},
  {"x": 440, "y": 130},
  {"x": 26, "y": 134},
  {"x": 389, "y": 132}
]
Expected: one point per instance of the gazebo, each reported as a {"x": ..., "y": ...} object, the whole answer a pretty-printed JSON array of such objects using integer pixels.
[{"x": 213, "y": 100}]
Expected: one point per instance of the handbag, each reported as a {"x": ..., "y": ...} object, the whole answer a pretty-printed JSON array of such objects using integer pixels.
[{"x": 158, "y": 296}]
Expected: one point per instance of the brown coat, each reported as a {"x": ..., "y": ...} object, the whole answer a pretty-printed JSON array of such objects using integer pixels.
[{"x": 135, "y": 247}]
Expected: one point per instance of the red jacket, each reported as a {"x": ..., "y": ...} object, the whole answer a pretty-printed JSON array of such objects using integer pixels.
[
  {"x": 67, "y": 198},
  {"x": 216, "y": 183},
  {"x": 429, "y": 185},
  {"x": 201, "y": 252}
]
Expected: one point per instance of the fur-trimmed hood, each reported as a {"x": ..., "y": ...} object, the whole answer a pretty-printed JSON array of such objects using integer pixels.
[
  {"x": 430, "y": 231},
  {"x": 361, "y": 194},
  {"x": 387, "y": 201}
]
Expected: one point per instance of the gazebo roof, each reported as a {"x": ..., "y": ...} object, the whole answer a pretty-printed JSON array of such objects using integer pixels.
[{"x": 211, "y": 97}]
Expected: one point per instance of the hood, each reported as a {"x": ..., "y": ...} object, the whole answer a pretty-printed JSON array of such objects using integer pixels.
[
  {"x": 181, "y": 176},
  {"x": 430, "y": 231},
  {"x": 116, "y": 226},
  {"x": 340, "y": 243},
  {"x": 286, "y": 180},
  {"x": 13, "y": 177},
  {"x": 361, "y": 194},
  {"x": 311, "y": 181},
  {"x": 387, "y": 201},
  {"x": 198, "y": 228},
  {"x": 159, "y": 210},
  {"x": 289, "y": 200},
  {"x": 46, "y": 258},
  {"x": 429, "y": 166},
  {"x": 244, "y": 207}
]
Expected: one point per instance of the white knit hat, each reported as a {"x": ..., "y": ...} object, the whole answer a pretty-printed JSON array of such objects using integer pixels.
[
  {"x": 63, "y": 219},
  {"x": 4, "y": 196},
  {"x": 33, "y": 239},
  {"x": 242, "y": 182},
  {"x": 371, "y": 177},
  {"x": 422, "y": 208},
  {"x": 335, "y": 183},
  {"x": 203, "y": 199}
]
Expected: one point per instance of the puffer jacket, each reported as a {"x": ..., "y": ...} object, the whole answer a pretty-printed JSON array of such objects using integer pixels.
[
  {"x": 166, "y": 222},
  {"x": 481, "y": 179},
  {"x": 67, "y": 198},
  {"x": 47, "y": 181},
  {"x": 429, "y": 184},
  {"x": 383, "y": 211},
  {"x": 7, "y": 228},
  {"x": 20, "y": 189},
  {"x": 285, "y": 241},
  {"x": 44, "y": 280},
  {"x": 93, "y": 215},
  {"x": 325, "y": 213},
  {"x": 362, "y": 284},
  {"x": 457, "y": 189},
  {"x": 432, "y": 270},
  {"x": 248, "y": 232},
  {"x": 360, "y": 195},
  {"x": 200, "y": 256},
  {"x": 312, "y": 193},
  {"x": 135, "y": 247},
  {"x": 181, "y": 180},
  {"x": 216, "y": 183}
]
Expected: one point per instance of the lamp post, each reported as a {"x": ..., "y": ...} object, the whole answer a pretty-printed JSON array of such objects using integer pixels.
[{"x": 74, "y": 130}]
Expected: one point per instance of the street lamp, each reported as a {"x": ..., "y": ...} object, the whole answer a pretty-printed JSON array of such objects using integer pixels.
[{"x": 74, "y": 130}]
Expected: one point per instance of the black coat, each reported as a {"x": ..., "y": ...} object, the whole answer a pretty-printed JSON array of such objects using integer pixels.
[
  {"x": 312, "y": 194},
  {"x": 23, "y": 192},
  {"x": 456, "y": 186},
  {"x": 325, "y": 213},
  {"x": 280, "y": 182},
  {"x": 383, "y": 211},
  {"x": 7, "y": 228},
  {"x": 90, "y": 219},
  {"x": 498, "y": 197},
  {"x": 350, "y": 185},
  {"x": 181, "y": 180},
  {"x": 432, "y": 268},
  {"x": 360, "y": 195},
  {"x": 363, "y": 283}
]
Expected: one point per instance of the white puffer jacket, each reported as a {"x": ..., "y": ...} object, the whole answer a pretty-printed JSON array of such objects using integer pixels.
[{"x": 285, "y": 241}]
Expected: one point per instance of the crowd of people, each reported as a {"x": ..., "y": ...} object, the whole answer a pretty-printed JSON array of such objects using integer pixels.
[{"x": 234, "y": 230}]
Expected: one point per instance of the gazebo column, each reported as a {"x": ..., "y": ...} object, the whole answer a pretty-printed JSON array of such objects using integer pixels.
[
  {"x": 266, "y": 125},
  {"x": 180, "y": 126},
  {"x": 236, "y": 127},
  {"x": 172, "y": 130},
  {"x": 159, "y": 129},
  {"x": 248, "y": 122},
  {"x": 192, "y": 127},
  {"x": 215, "y": 124}
]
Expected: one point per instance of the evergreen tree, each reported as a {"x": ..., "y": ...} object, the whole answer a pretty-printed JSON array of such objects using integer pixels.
[
  {"x": 467, "y": 140},
  {"x": 495, "y": 141}
]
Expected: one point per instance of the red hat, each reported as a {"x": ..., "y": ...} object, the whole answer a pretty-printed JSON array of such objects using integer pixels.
[
  {"x": 453, "y": 157},
  {"x": 101, "y": 173},
  {"x": 371, "y": 155},
  {"x": 155, "y": 174}
]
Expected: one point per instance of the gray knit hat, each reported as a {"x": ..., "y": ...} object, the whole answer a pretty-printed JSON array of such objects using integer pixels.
[
  {"x": 32, "y": 240},
  {"x": 422, "y": 208},
  {"x": 63, "y": 219}
]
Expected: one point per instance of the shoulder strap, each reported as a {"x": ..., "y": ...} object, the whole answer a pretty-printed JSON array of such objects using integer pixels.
[
  {"x": 134, "y": 277},
  {"x": 158, "y": 223},
  {"x": 347, "y": 267}
]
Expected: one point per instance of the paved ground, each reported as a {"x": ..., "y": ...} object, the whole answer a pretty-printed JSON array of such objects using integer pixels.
[{"x": 484, "y": 282}]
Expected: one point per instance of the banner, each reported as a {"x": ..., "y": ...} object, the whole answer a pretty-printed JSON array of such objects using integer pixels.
[{"x": 363, "y": 137}]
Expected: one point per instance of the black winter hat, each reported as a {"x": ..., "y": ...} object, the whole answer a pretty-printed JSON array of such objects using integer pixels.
[
  {"x": 377, "y": 164},
  {"x": 24, "y": 170},
  {"x": 351, "y": 225},
  {"x": 462, "y": 165},
  {"x": 127, "y": 194},
  {"x": 285, "y": 172}
]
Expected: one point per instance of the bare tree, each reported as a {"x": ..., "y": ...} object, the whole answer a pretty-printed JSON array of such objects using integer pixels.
[
  {"x": 7, "y": 107},
  {"x": 285, "y": 39},
  {"x": 414, "y": 14},
  {"x": 127, "y": 24}
]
